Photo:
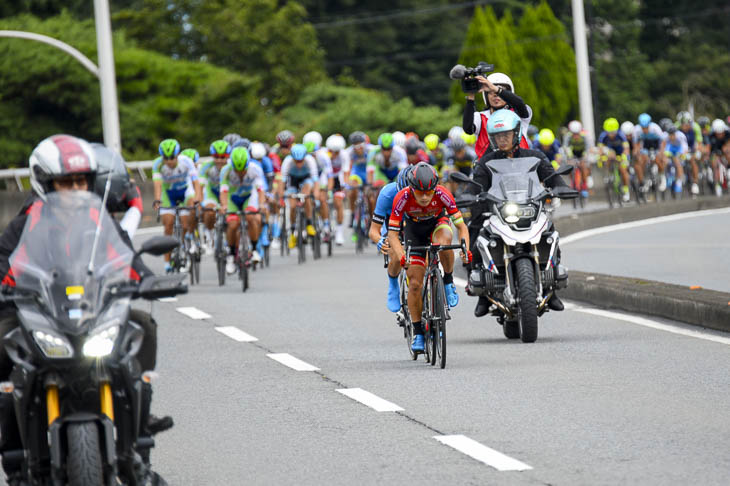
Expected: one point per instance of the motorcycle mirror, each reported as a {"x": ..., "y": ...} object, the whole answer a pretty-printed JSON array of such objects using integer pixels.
[
  {"x": 562, "y": 170},
  {"x": 459, "y": 177},
  {"x": 158, "y": 245}
]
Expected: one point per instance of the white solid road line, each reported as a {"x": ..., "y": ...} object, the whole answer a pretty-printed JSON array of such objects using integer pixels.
[
  {"x": 236, "y": 334},
  {"x": 193, "y": 313},
  {"x": 482, "y": 453},
  {"x": 643, "y": 222},
  {"x": 372, "y": 401},
  {"x": 642, "y": 321},
  {"x": 292, "y": 362},
  {"x": 168, "y": 299}
]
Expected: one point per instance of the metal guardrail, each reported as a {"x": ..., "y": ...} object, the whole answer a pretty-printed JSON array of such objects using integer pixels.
[{"x": 19, "y": 174}]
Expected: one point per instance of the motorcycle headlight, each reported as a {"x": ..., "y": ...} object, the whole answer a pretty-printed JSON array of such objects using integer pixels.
[
  {"x": 101, "y": 342},
  {"x": 53, "y": 345},
  {"x": 513, "y": 212}
]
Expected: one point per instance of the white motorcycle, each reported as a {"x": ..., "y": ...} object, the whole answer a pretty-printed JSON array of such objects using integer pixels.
[{"x": 517, "y": 243}]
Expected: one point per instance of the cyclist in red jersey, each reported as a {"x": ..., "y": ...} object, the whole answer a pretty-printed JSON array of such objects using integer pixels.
[{"x": 425, "y": 207}]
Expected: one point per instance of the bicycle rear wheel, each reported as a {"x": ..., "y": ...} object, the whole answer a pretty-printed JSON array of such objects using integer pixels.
[
  {"x": 243, "y": 250},
  {"x": 426, "y": 315},
  {"x": 439, "y": 319},
  {"x": 301, "y": 233}
]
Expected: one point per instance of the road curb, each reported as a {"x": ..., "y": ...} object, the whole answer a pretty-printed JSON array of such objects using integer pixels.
[
  {"x": 576, "y": 222},
  {"x": 699, "y": 307}
]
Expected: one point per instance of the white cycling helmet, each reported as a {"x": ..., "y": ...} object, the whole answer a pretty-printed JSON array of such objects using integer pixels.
[
  {"x": 455, "y": 132},
  {"x": 257, "y": 150},
  {"x": 575, "y": 127},
  {"x": 313, "y": 137},
  {"x": 501, "y": 79},
  {"x": 627, "y": 128},
  {"x": 336, "y": 142},
  {"x": 399, "y": 138},
  {"x": 718, "y": 126},
  {"x": 59, "y": 156}
]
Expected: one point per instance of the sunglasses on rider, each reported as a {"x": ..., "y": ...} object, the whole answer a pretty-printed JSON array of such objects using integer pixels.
[
  {"x": 424, "y": 193},
  {"x": 220, "y": 156}
]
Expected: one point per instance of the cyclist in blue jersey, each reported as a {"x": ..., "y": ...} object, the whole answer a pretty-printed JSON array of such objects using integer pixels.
[
  {"x": 548, "y": 145},
  {"x": 326, "y": 182},
  {"x": 615, "y": 150},
  {"x": 693, "y": 133},
  {"x": 649, "y": 139},
  {"x": 676, "y": 150},
  {"x": 300, "y": 174},
  {"x": 379, "y": 234},
  {"x": 356, "y": 172}
]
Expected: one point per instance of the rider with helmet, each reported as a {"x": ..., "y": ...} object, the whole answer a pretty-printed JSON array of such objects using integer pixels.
[
  {"x": 576, "y": 147},
  {"x": 210, "y": 176},
  {"x": 426, "y": 207},
  {"x": 461, "y": 159},
  {"x": 57, "y": 164},
  {"x": 241, "y": 190},
  {"x": 547, "y": 144},
  {"x": 176, "y": 184},
  {"x": 415, "y": 152},
  {"x": 356, "y": 173},
  {"x": 313, "y": 142},
  {"x": 379, "y": 233},
  {"x": 232, "y": 138},
  {"x": 649, "y": 140},
  {"x": 438, "y": 153},
  {"x": 693, "y": 133},
  {"x": 501, "y": 94},
  {"x": 719, "y": 143},
  {"x": 340, "y": 161},
  {"x": 385, "y": 161},
  {"x": 615, "y": 150},
  {"x": 300, "y": 173},
  {"x": 399, "y": 138},
  {"x": 505, "y": 130}
]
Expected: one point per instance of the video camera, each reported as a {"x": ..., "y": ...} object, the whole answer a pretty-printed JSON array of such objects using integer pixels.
[{"x": 469, "y": 83}]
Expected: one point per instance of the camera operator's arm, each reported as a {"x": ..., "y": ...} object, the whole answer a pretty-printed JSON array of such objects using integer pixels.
[
  {"x": 515, "y": 102},
  {"x": 468, "y": 121}
]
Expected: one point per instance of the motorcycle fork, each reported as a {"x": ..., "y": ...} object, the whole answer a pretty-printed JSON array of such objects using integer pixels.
[{"x": 105, "y": 398}]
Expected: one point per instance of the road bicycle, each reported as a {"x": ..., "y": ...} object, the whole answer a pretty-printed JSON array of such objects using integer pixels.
[{"x": 435, "y": 311}]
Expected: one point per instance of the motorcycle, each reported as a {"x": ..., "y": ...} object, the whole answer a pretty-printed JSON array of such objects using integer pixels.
[
  {"x": 517, "y": 243},
  {"x": 77, "y": 386}
]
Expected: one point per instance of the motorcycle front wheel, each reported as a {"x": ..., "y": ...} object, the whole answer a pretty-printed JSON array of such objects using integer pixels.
[
  {"x": 83, "y": 461},
  {"x": 527, "y": 307}
]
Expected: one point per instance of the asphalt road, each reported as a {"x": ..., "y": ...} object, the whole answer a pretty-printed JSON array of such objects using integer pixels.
[
  {"x": 596, "y": 400},
  {"x": 689, "y": 251}
]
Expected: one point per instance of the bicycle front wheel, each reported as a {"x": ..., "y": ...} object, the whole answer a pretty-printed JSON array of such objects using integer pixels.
[
  {"x": 439, "y": 320},
  {"x": 301, "y": 234}
]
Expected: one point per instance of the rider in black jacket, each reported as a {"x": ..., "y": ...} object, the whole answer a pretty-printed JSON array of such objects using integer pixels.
[{"x": 504, "y": 130}]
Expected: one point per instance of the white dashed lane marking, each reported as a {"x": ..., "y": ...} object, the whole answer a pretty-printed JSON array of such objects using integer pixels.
[
  {"x": 193, "y": 313},
  {"x": 236, "y": 334},
  {"x": 168, "y": 299},
  {"x": 373, "y": 401},
  {"x": 482, "y": 453},
  {"x": 292, "y": 362}
]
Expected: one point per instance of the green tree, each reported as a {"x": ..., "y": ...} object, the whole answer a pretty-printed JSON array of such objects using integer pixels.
[{"x": 546, "y": 45}]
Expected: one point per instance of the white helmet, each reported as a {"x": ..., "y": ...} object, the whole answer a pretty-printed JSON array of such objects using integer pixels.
[
  {"x": 313, "y": 137},
  {"x": 575, "y": 126},
  {"x": 257, "y": 150},
  {"x": 336, "y": 142},
  {"x": 627, "y": 128},
  {"x": 718, "y": 125},
  {"x": 399, "y": 138},
  {"x": 455, "y": 132},
  {"x": 58, "y": 156},
  {"x": 502, "y": 79}
]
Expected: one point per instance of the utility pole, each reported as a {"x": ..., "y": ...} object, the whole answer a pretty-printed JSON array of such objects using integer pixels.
[
  {"x": 107, "y": 76},
  {"x": 585, "y": 98}
]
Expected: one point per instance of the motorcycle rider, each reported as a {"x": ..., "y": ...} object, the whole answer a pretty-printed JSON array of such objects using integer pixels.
[
  {"x": 59, "y": 163},
  {"x": 505, "y": 132}
]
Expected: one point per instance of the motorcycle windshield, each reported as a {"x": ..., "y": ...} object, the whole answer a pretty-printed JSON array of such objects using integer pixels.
[
  {"x": 515, "y": 179},
  {"x": 54, "y": 254}
]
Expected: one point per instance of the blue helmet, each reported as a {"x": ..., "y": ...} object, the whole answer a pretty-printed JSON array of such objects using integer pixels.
[
  {"x": 504, "y": 121},
  {"x": 402, "y": 181},
  {"x": 644, "y": 120},
  {"x": 298, "y": 151}
]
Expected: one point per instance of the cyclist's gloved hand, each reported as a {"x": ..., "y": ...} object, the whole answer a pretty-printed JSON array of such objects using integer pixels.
[
  {"x": 383, "y": 242},
  {"x": 403, "y": 261},
  {"x": 467, "y": 258},
  {"x": 156, "y": 204}
]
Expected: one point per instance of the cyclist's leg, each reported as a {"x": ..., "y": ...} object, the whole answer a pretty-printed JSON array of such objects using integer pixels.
[
  {"x": 307, "y": 188},
  {"x": 235, "y": 204},
  {"x": 324, "y": 208},
  {"x": 188, "y": 218},
  {"x": 210, "y": 201},
  {"x": 416, "y": 271},
  {"x": 253, "y": 218},
  {"x": 169, "y": 199},
  {"x": 443, "y": 235}
]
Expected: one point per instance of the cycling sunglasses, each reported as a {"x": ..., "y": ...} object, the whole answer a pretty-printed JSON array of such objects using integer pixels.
[
  {"x": 424, "y": 193},
  {"x": 220, "y": 156}
]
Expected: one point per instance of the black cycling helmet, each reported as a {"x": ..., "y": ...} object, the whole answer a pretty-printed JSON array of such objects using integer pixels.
[
  {"x": 665, "y": 123},
  {"x": 423, "y": 177},
  {"x": 109, "y": 161},
  {"x": 703, "y": 122},
  {"x": 458, "y": 144},
  {"x": 357, "y": 137},
  {"x": 671, "y": 129},
  {"x": 412, "y": 146}
]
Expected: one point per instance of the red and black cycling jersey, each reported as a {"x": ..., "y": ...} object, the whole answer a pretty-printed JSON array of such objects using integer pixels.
[{"x": 405, "y": 205}]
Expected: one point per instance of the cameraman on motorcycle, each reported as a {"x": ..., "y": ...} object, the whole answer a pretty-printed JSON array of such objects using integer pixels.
[
  {"x": 59, "y": 163},
  {"x": 505, "y": 132}
]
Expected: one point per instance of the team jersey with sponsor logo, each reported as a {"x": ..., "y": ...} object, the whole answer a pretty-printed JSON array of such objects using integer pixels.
[{"x": 405, "y": 205}]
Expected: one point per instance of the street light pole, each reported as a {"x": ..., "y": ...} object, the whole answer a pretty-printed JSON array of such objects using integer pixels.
[
  {"x": 585, "y": 98},
  {"x": 107, "y": 76}
]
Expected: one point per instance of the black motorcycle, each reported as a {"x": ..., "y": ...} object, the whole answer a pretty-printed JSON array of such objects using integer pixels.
[
  {"x": 76, "y": 382},
  {"x": 517, "y": 242}
]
